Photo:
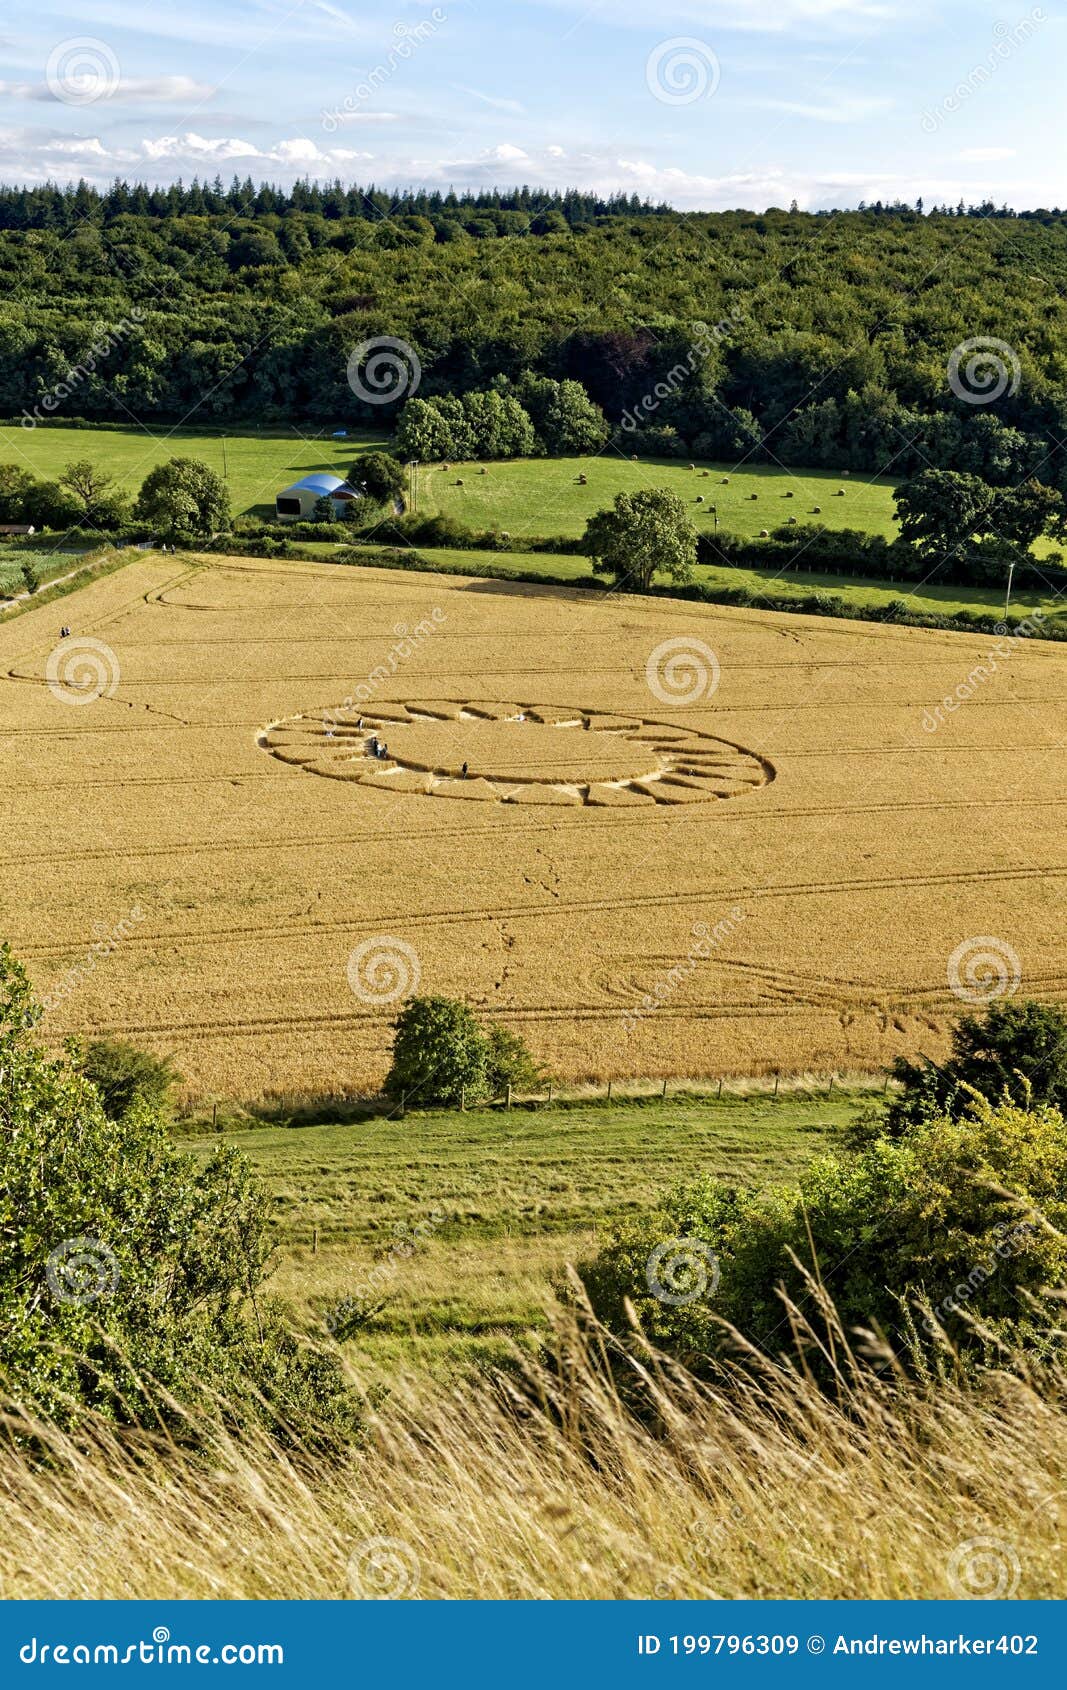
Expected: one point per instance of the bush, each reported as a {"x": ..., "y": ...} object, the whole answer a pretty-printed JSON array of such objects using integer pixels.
[
  {"x": 439, "y": 1053},
  {"x": 1017, "y": 1049},
  {"x": 442, "y": 1055},
  {"x": 131, "y": 1275},
  {"x": 124, "y": 1075},
  {"x": 957, "y": 1225},
  {"x": 509, "y": 1062}
]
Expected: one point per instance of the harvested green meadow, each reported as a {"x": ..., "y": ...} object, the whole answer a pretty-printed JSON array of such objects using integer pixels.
[
  {"x": 544, "y": 496},
  {"x": 470, "y": 1217}
]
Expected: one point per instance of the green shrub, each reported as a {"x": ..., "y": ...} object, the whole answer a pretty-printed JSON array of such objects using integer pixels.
[
  {"x": 131, "y": 1275},
  {"x": 439, "y": 1053},
  {"x": 125, "y": 1075},
  {"x": 1016, "y": 1049},
  {"x": 509, "y": 1062},
  {"x": 958, "y": 1224},
  {"x": 442, "y": 1055}
]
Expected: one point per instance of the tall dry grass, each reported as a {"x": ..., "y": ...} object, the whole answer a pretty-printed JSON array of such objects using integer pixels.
[{"x": 546, "y": 1485}]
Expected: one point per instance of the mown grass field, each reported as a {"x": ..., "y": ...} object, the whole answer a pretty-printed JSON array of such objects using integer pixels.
[
  {"x": 544, "y": 496},
  {"x": 532, "y": 495},
  {"x": 257, "y": 465},
  {"x": 503, "y": 1200}
]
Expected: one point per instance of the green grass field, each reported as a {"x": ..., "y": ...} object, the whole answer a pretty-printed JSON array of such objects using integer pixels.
[
  {"x": 258, "y": 465},
  {"x": 504, "y": 1200},
  {"x": 863, "y": 595},
  {"x": 529, "y": 495},
  {"x": 543, "y": 496}
]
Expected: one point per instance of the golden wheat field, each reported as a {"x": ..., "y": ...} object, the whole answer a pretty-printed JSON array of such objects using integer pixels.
[{"x": 688, "y": 841}]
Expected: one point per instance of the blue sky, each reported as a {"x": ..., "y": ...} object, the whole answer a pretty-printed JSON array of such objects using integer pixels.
[{"x": 705, "y": 103}]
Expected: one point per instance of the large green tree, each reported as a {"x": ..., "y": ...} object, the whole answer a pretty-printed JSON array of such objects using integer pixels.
[
  {"x": 643, "y": 535},
  {"x": 184, "y": 496}
]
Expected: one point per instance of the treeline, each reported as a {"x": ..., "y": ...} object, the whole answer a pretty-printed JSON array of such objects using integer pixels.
[
  {"x": 804, "y": 339},
  {"x": 49, "y": 206}
]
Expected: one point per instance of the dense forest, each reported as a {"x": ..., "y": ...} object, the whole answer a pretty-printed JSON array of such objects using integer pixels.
[{"x": 815, "y": 339}]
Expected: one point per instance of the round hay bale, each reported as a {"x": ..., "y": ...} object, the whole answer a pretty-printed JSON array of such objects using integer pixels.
[
  {"x": 840, "y": 493},
  {"x": 764, "y": 534},
  {"x": 700, "y": 498},
  {"x": 446, "y": 466},
  {"x": 789, "y": 495},
  {"x": 753, "y": 496},
  {"x": 725, "y": 482},
  {"x": 790, "y": 521},
  {"x": 459, "y": 481},
  {"x": 816, "y": 510},
  {"x": 483, "y": 470}
]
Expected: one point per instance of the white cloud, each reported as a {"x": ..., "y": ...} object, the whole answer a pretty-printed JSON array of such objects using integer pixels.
[
  {"x": 163, "y": 90},
  {"x": 837, "y": 108}
]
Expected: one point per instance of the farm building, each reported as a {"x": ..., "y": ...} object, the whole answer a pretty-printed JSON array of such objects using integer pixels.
[{"x": 298, "y": 502}]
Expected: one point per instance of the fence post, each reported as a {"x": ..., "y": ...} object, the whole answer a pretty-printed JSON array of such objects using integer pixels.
[
  {"x": 776, "y": 1085},
  {"x": 315, "y": 1241},
  {"x": 507, "y": 1104},
  {"x": 550, "y": 1091},
  {"x": 830, "y": 1093},
  {"x": 609, "y": 1091},
  {"x": 719, "y": 1093},
  {"x": 214, "y": 1117},
  {"x": 463, "y": 1097},
  {"x": 664, "y": 1093}
]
